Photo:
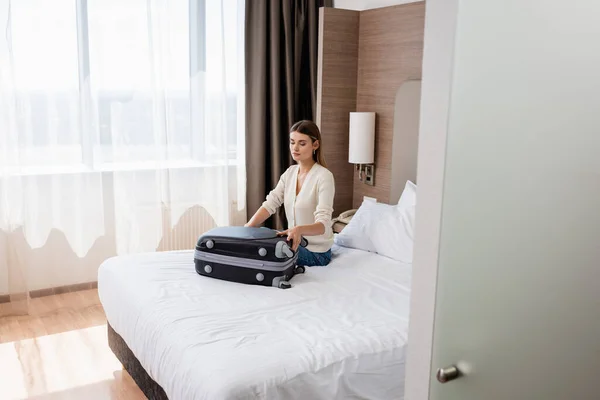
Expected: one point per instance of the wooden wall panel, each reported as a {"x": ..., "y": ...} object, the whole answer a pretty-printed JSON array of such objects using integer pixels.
[
  {"x": 390, "y": 51},
  {"x": 336, "y": 95}
]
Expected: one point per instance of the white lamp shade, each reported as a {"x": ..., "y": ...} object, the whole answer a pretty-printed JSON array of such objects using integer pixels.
[{"x": 362, "y": 138}]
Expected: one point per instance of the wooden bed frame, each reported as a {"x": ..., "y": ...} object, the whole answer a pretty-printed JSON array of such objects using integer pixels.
[{"x": 131, "y": 364}]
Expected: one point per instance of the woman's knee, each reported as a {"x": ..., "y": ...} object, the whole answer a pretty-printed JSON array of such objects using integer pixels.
[{"x": 309, "y": 259}]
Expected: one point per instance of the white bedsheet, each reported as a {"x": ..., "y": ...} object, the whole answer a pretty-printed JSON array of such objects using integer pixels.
[{"x": 340, "y": 332}]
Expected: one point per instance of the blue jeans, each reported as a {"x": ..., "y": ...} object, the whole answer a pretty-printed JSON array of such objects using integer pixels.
[{"x": 307, "y": 258}]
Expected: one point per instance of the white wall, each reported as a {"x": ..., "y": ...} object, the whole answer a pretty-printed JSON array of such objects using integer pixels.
[
  {"x": 360, "y": 5},
  {"x": 438, "y": 52}
]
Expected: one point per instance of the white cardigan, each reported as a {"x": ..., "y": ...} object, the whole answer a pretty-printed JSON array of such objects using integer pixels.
[{"x": 313, "y": 204}]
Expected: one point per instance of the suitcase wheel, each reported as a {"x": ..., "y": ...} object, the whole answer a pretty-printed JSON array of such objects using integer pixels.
[
  {"x": 284, "y": 285},
  {"x": 299, "y": 270}
]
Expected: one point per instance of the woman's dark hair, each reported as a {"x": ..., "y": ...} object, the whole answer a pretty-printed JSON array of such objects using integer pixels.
[{"x": 311, "y": 129}]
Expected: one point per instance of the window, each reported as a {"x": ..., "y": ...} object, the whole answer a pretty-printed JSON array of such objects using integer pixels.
[{"x": 103, "y": 84}]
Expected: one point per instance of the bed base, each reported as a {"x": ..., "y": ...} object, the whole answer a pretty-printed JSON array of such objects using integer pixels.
[{"x": 149, "y": 387}]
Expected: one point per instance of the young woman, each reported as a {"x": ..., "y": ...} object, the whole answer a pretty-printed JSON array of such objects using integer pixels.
[{"x": 306, "y": 190}]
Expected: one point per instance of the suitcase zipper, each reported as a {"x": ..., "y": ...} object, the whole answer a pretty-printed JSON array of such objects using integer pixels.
[{"x": 244, "y": 262}]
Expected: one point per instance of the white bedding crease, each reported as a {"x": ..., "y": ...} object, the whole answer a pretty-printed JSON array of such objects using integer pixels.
[{"x": 340, "y": 332}]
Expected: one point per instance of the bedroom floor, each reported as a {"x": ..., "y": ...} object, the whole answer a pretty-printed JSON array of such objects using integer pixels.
[{"x": 60, "y": 351}]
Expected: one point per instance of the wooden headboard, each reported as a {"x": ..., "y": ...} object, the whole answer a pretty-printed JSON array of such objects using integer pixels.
[{"x": 365, "y": 58}]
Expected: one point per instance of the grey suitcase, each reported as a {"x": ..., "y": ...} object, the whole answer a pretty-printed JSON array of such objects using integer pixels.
[{"x": 247, "y": 255}]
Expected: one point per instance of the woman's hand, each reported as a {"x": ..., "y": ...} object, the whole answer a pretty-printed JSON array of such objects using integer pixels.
[{"x": 294, "y": 235}]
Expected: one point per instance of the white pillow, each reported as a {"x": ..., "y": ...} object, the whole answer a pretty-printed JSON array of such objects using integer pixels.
[
  {"x": 408, "y": 201},
  {"x": 409, "y": 195},
  {"x": 356, "y": 234},
  {"x": 381, "y": 228}
]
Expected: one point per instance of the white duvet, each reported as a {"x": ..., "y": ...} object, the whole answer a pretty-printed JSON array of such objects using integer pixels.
[{"x": 340, "y": 332}]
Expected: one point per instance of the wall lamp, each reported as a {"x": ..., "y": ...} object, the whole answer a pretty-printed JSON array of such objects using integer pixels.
[{"x": 362, "y": 145}]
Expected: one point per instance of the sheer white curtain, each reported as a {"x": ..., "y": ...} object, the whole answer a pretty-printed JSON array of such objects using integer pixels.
[{"x": 121, "y": 131}]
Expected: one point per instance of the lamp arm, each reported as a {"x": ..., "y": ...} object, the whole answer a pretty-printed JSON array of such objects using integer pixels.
[{"x": 359, "y": 168}]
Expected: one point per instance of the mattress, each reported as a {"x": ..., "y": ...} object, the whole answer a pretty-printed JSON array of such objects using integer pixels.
[{"x": 340, "y": 332}]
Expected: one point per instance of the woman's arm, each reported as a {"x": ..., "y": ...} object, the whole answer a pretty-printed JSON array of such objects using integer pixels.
[
  {"x": 324, "y": 210},
  {"x": 311, "y": 230},
  {"x": 273, "y": 201},
  {"x": 258, "y": 218}
]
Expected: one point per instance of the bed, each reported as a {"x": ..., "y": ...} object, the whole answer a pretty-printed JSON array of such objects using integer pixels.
[{"x": 340, "y": 332}]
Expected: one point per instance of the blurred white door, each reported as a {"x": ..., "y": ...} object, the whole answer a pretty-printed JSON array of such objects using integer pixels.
[{"x": 517, "y": 299}]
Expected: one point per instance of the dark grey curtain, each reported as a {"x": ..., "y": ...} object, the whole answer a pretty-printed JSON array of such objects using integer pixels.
[{"x": 281, "y": 86}]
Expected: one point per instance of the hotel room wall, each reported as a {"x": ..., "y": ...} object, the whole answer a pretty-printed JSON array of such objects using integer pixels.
[
  {"x": 336, "y": 95},
  {"x": 390, "y": 52},
  {"x": 384, "y": 50}
]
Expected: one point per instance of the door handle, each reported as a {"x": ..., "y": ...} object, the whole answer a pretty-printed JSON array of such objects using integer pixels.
[{"x": 447, "y": 374}]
